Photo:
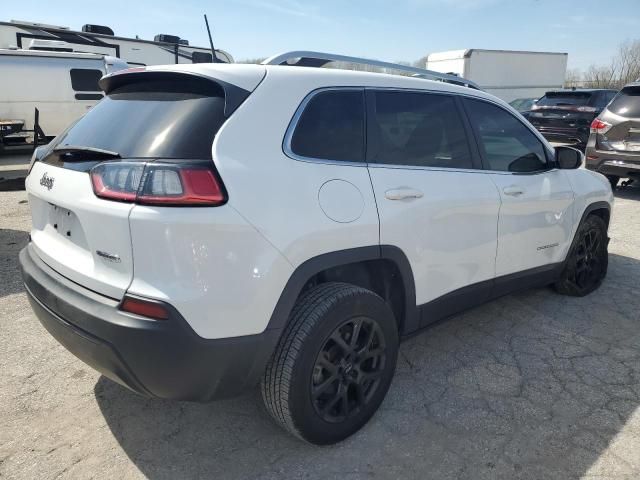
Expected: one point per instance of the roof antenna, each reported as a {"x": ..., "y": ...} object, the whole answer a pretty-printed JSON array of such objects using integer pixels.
[{"x": 214, "y": 58}]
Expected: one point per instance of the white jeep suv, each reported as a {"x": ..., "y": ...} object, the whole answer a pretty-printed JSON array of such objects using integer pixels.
[{"x": 209, "y": 227}]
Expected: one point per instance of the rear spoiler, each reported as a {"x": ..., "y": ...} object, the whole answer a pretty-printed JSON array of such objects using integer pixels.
[{"x": 174, "y": 81}]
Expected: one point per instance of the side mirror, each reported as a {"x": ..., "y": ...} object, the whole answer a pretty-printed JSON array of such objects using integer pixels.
[{"x": 568, "y": 158}]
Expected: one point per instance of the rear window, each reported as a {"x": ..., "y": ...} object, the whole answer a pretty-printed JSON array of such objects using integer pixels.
[
  {"x": 155, "y": 119},
  {"x": 559, "y": 99},
  {"x": 627, "y": 103}
]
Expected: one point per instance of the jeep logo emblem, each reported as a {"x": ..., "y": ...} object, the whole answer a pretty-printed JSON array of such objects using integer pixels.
[{"x": 47, "y": 181}]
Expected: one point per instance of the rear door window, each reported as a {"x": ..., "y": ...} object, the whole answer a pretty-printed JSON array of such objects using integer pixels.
[
  {"x": 154, "y": 119},
  {"x": 627, "y": 103},
  {"x": 507, "y": 145},
  {"x": 331, "y": 127},
  {"x": 416, "y": 129}
]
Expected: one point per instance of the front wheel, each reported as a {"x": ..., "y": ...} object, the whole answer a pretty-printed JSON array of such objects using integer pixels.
[
  {"x": 588, "y": 259},
  {"x": 334, "y": 363}
]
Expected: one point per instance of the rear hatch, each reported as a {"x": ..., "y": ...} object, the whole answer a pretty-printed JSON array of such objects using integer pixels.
[
  {"x": 147, "y": 119},
  {"x": 624, "y": 134},
  {"x": 566, "y": 114}
]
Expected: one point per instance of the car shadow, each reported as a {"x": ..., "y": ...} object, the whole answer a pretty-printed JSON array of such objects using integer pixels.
[
  {"x": 631, "y": 192},
  {"x": 11, "y": 242},
  {"x": 12, "y": 185},
  {"x": 532, "y": 385}
]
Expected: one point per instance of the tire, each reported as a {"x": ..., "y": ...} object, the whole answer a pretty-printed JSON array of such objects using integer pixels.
[
  {"x": 323, "y": 390},
  {"x": 587, "y": 261},
  {"x": 613, "y": 180}
]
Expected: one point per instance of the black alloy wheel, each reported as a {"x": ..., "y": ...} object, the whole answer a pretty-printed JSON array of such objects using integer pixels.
[
  {"x": 333, "y": 364},
  {"x": 348, "y": 368},
  {"x": 587, "y": 262}
]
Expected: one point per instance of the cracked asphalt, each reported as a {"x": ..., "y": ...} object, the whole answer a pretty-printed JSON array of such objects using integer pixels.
[{"x": 533, "y": 385}]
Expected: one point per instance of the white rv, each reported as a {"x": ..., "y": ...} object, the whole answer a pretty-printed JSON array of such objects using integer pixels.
[
  {"x": 163, "y": 50},
  {"x": 56, "y": 70},
  {"x": 507, "y": 74},
  {"x": 61, "y": 86}
]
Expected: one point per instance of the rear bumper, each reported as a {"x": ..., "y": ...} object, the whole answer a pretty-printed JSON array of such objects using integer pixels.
[
  {"x": 164, "y": 359},
  {"x": 613, "y": 163}
]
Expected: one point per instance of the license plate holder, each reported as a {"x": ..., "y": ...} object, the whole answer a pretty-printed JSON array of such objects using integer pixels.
[{"x": 62, "y": 220}]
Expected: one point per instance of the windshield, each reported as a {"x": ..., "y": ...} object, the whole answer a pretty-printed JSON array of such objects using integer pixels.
[
  {"x": 143, "y": 121},
  {"x": 626, "y": 103}
]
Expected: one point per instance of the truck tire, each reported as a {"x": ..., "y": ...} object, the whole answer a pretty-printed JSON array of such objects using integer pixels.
[
  {"x": 333, "y": 364},
  {"x": 587, "y": 261}
]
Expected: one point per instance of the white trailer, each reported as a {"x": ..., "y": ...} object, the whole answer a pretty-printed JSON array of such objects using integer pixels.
[
  {"x": 56, "y": 70},
  {"x": 507, "y": 74},
  {"x": 163, "y": 50},
  {"x": 61, "y": 85}
]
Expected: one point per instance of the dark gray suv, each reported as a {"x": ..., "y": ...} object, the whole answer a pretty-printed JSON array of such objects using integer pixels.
[{"x": 613, "y": 148}]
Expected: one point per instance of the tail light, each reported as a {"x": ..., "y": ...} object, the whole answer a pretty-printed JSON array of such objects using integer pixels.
[
  {"x": 166, "y": 184},
  {"x": 598, "y": 126}
]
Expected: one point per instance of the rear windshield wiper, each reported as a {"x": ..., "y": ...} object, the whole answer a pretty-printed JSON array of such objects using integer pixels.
[{"x": 81, "y": 149}]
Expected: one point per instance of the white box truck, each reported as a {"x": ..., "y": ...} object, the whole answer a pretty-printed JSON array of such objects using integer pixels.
[{"x": 507, "y": 74}]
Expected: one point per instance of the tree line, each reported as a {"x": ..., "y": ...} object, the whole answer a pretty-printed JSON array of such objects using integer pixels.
[{"x": 623, "y": 68}]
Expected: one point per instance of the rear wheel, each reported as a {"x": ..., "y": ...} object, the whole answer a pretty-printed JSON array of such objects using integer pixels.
[
  {"x": 588, "y": 259},
  {"x": 334, "y": 363}
]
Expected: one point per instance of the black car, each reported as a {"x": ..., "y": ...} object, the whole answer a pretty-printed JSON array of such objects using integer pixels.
[
  {"x": 614, "y": 144},
  {"x": 565, "y": 116}
]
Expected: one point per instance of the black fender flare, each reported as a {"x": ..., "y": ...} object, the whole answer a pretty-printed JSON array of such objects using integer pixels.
[
  {"x": 592, "y": 207},
  {"x": 305, "y": 271}
]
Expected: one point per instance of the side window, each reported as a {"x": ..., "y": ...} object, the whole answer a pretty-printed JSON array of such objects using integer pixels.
[
  {"x": 201, "y": 57},
  {"x": 507, "y": 145},
  {"x": 331, "y": 127},
  {"x": 416, "y": 128},
  {"x": 85, "y": 80}
]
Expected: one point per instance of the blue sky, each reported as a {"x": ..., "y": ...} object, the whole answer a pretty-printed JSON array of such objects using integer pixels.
[{"x": 589, "y": 30}]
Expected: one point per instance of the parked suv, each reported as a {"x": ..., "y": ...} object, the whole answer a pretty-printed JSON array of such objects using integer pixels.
[
  {"x": 565, "y": 116},
  {"x": 209, "y": 227},
  {"x": 614, "y": 143}
]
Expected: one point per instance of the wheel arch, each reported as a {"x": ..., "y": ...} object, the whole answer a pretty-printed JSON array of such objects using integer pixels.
[
  {"x": 374, "y": 267},
  {"x": 602, "y": 209}
]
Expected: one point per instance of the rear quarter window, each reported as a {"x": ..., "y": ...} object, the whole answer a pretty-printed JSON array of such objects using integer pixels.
[{"x": 331, "y": 127}]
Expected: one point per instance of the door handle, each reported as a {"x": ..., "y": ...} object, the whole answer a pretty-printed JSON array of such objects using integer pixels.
[
  {"x": 402, "y": 193},
  {"x": 513, "y": 190}
]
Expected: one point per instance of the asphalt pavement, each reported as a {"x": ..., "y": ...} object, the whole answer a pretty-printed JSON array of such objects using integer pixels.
[{"x": 533, "y": 385}]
